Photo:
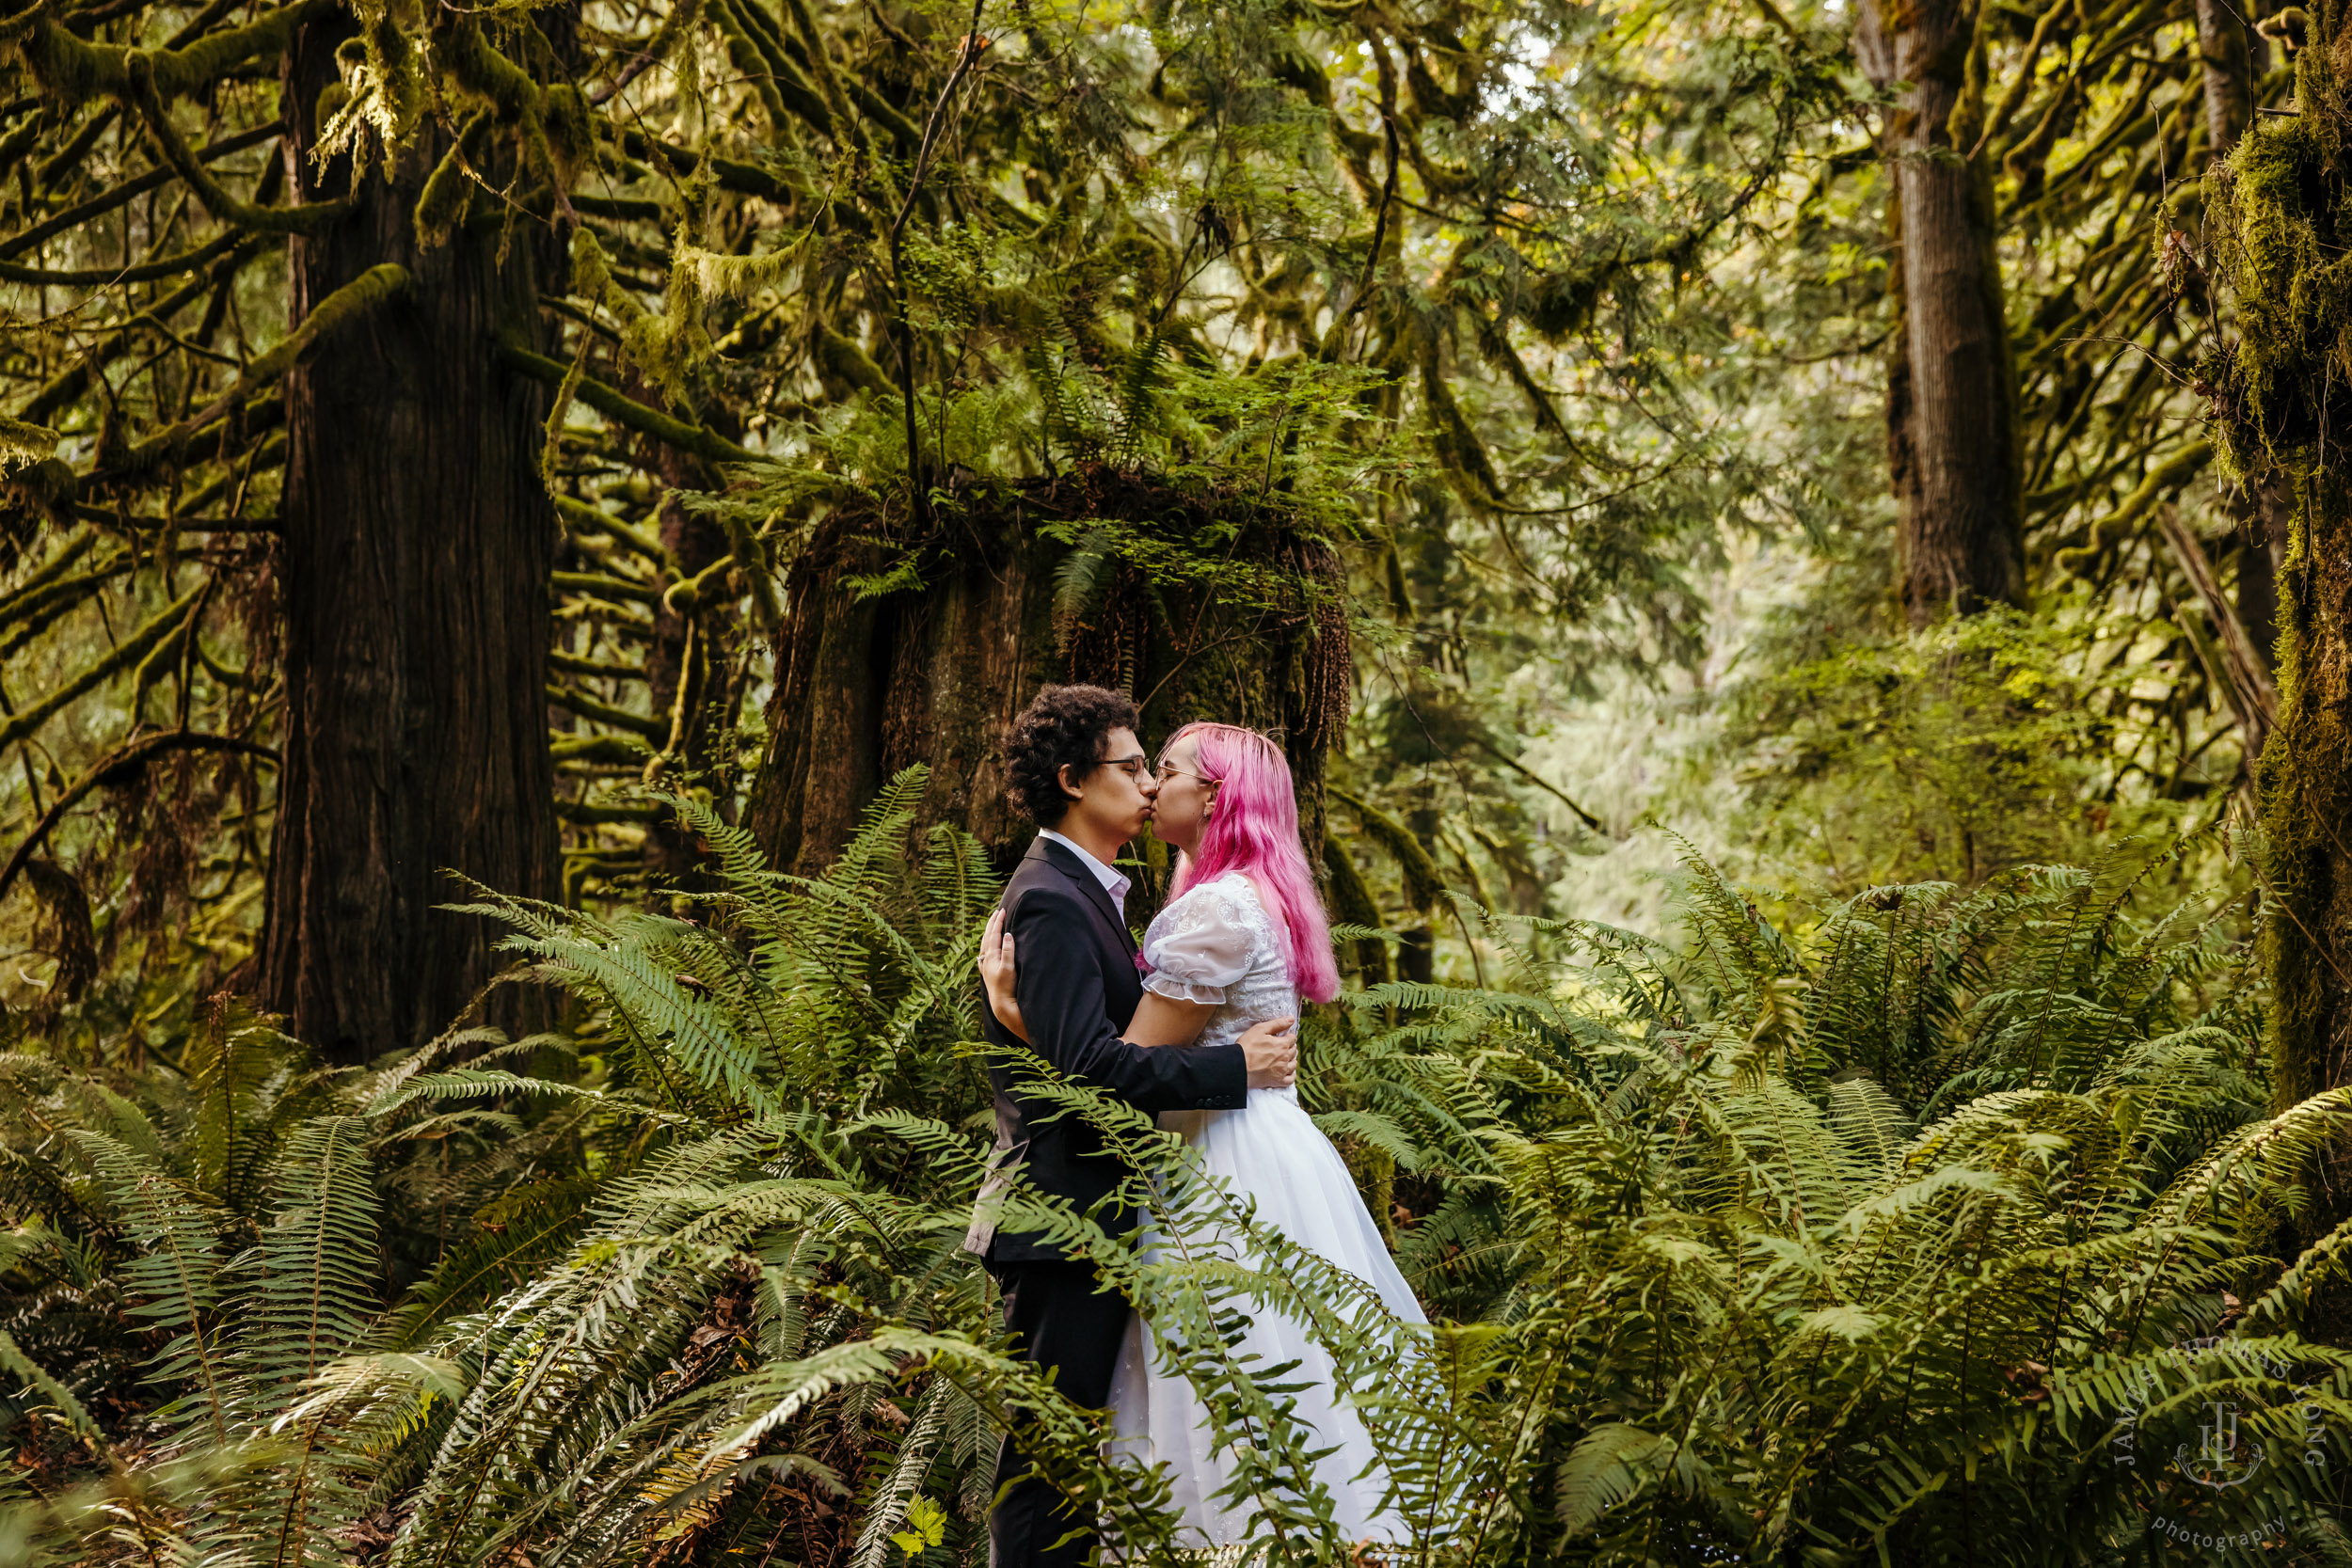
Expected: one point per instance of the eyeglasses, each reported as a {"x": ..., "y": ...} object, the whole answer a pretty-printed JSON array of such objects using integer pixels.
[
  {"x": 1133, "y": 767},
  {"x": 1169, "y": 770}
]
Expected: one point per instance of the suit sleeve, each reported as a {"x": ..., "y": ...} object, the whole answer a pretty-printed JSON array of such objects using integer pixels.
[{"x": 1059, "y": 983}]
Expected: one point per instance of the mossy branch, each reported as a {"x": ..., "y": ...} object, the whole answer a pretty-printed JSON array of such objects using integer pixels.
[
  {"x": 844, "y": 358},
  {"x": 605, "y": 713},
  {"x": 74, "y": 71},
  {"x": 580, "y": 515},
  {"x": 2119, "y": 525},
  {"x": 76, "y": 546},
  {"x": 106, "y": 277},
  {"x": 686, "y": 597},
  {"x": 626, "y": 750},
  {"x": 21, "y": 442},
  {"x": 626, "y": 411},
  {"x": 40, "y": 600},
  {"x": 604, "y": 585},
  {"x": 741, "y": 178},
  {"x": 73, "y": 382},
  {"x": 572, "y": 664},
  {"x": 125, "y": 655},
  {"x": 551, "y": 121},
  {"x": 1352, "y": 903},
  {"x": 149, "y": 100},
  {"x": 442, "y": 202},
  {"x": 80, "y": 216},
  {"x": 1423, "y": 885},
  {"x": 758, "y": 49},
  {"x": 812, "y": 41},
  {"x": 363, "y": 295}
]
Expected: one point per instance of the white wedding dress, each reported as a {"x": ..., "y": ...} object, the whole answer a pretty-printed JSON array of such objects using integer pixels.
[{"x": 1216, "y": 944}]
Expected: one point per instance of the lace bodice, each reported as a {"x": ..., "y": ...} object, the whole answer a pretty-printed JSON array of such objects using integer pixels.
[{"x": 1216, "y": 944}]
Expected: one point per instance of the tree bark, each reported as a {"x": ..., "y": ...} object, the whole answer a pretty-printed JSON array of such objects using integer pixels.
[
  {"x": 2274, "y": 220},
  {"x": 867, "y": 687},
  {"x": 416, "y": 544},
  {"x": 680, "y": 670},
  {"x": 2263, "y": 537},
  {"x": 2233, "y": 56},
  {"x": 1952, "y": 441},
  {"x": 2228, "y": 47}
]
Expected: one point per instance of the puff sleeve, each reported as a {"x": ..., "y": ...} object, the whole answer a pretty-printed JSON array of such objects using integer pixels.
[{"x": 1198, "y": 948}]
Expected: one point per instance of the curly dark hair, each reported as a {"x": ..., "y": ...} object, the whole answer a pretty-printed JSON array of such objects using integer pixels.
[{"x": 1063, "y": 727}]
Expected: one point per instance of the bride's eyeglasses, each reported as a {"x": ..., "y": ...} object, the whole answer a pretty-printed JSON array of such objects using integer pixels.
[{"x": 1167, "y": 770}]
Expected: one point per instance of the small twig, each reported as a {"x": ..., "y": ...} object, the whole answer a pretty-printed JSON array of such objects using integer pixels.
[{"x": 2154, "y": 357}]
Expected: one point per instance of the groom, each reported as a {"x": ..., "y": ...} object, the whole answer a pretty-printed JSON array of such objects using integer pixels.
[{"x": 1077, "y": 771}]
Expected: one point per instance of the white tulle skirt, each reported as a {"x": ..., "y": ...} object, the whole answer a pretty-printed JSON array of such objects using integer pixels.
[{"x": 1270, "y": 1152}]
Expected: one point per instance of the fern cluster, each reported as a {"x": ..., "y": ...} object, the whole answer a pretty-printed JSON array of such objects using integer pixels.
[{"x": 1934, "y": 1232}]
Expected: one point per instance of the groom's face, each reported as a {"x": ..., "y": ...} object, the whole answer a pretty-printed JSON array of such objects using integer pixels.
[{"x": 1115, "y": 798}]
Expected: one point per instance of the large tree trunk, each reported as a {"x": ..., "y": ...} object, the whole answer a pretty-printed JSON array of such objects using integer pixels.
[
  {"x": 1951, "y": 383},
  {"x": 867, "y": 687},
  {"x": 417, "y": 545},
  {"x": 2275, "y": 219}
]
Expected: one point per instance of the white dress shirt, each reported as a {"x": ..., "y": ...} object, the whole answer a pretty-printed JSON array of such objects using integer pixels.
[{"x": 1113, "y": 883}]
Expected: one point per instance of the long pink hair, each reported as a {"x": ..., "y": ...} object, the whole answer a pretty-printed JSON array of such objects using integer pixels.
[{"x": 1254, "y": 829}]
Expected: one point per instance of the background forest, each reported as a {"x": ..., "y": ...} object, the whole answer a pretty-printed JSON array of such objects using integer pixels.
[{"x": 1796, "y": 553}]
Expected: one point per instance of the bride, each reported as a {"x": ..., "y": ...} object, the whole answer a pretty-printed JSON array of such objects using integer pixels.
[{"x": 1245, "y": 935}]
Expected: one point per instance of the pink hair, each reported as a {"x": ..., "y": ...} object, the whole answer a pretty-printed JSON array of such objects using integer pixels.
[{"x": 1254, "y": 829}]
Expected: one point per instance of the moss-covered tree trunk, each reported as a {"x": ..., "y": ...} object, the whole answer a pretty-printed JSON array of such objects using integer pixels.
[
  {"x": 2277, "y": 227},
  {"x": 418, "y": 540},
  {"x": 1952, "y": 438},
  {"x": 2234, "y": 56},
  {"x": 1198, "y": 610}
]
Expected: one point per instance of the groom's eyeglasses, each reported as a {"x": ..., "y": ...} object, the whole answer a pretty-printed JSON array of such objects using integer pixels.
[{"x": 1134, "y": 766}]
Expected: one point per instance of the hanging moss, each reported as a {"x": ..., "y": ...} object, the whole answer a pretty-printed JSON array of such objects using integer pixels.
[{"x": 2276, "y": 216}]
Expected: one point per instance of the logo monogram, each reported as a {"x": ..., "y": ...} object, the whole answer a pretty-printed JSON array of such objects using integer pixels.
[
  {"x": 2220, "y": 1458},
  {"x": 2236, "y": 1442}
]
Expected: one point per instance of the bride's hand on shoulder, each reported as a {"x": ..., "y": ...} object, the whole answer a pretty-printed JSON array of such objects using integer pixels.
[{"x": 996, "y": 974}]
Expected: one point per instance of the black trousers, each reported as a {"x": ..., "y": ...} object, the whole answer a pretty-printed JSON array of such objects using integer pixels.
[{"x": 1065, "y": 1323}]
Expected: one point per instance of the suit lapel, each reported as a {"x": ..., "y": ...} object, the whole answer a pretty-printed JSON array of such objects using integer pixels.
[{"x": 1084, "y": 880}]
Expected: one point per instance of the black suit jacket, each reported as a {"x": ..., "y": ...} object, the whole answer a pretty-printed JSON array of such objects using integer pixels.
[{"x": 1079, "y": 987}]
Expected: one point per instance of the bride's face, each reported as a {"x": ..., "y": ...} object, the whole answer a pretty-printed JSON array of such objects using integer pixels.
[{"x": 1185, "y": 799}]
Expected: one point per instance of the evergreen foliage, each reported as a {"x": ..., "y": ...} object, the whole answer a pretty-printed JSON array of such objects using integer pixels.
[{"x": 1922, "y": 1232}]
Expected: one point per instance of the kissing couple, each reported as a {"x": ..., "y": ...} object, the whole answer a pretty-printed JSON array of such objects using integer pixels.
[{"x": 1201, "y": 1028}]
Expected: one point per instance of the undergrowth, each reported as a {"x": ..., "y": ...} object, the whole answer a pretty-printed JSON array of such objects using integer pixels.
[{"x": 1935, "y": 1230}]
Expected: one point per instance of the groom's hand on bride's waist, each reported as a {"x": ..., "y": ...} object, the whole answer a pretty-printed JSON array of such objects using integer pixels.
[{"x": 1271, "y": 1048}]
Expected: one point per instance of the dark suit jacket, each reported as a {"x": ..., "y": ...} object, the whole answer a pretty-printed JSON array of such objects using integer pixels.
[{"x": 1078, "y": 984}]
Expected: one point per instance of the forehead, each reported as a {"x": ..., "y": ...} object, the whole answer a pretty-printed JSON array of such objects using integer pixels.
[
  {"x": 1122, "y": 742},
  {"x": 1182, "y": 749}
]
